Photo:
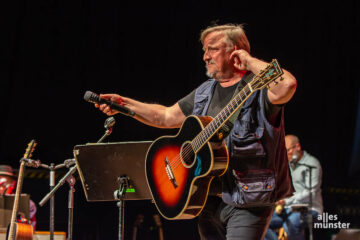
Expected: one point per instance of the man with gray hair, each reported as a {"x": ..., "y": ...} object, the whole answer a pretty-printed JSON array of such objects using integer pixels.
[
  {"x": 301, "y": 163},
  {"x": 258, "y": 172}
]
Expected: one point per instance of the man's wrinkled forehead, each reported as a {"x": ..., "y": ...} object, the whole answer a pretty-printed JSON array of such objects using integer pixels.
[
  {"x": 214, "y": 38},
  {"x": 290, "y": 140}
]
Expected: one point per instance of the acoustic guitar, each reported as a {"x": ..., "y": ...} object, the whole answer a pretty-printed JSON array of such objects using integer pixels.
[
  {"x": 180, "y": 168},
  {"x": 20, "y": 231}
]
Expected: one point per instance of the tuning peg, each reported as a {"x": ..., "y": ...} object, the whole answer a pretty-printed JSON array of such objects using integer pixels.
[
  {"x": 276, "y": 83},
  {"x": 281, "y": 78},
  {"x": 268, "y": 86}
]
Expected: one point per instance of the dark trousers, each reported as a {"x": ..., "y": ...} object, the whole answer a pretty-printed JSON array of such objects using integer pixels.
[{"x": 221, "y": 221}]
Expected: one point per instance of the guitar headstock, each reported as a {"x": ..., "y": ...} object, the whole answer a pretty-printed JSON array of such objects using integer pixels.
[
  {"x": 30, "y": 149},
  {"x": 266, "y": 76}
]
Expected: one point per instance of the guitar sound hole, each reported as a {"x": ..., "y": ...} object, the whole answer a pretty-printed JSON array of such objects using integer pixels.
[{"x": 187, "y": 155}]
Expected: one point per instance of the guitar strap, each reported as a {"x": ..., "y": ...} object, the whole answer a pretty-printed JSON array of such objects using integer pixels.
[{"x": 242, "y": 83}]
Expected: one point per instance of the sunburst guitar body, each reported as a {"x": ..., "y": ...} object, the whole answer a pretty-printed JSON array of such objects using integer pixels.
[{"x": 178, "y": 176}]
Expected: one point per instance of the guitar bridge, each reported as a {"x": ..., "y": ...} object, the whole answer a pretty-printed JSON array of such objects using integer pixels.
[{"x": 170, "y": 173}]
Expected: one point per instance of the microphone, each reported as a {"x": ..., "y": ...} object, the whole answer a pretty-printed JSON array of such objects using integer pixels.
[
  {"x": 109, "y": 122},
  {"x": 294, "y": 158},
  {"x": 94, "y": 98}
]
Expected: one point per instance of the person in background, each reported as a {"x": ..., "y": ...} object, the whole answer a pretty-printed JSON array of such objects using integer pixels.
[
  {"x": 283, "y": 215},
  {"x": 8, "y": 186}
]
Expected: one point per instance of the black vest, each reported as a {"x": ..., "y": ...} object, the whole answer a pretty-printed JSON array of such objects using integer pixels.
[{"x": 258, "y": 172}]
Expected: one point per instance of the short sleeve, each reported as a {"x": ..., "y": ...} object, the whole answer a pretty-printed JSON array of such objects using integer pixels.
[
  {"x": 271, "y": 110},
  {"x": 187, "y": 103}
]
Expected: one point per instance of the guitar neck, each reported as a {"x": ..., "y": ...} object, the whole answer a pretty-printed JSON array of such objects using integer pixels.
[
  {"x": 27, "y": 154},
  {"x": 206, "y": 134},
  {"x": 16, "y": 200}
]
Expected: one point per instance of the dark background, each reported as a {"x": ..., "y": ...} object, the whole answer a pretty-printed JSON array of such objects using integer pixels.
[{"x": 53, "y": 51}]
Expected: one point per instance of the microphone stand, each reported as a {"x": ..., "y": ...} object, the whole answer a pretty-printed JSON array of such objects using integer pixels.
[
  {"x": 109, "y": 123},
  {"x": 120, "y": 194},
  {"x": 309, "y": 218},
  {"x": 36, "y": 164}
]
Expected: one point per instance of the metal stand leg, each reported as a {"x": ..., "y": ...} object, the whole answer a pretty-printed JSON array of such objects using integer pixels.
[
  {"x": 120, "y": 205},
  {"x": 310, "y": 217},
  {"x": 310, "y": 225},
  {"x": 120, "y": 194},
  {"x": 52, "y": 201},
  {"x": 71, "y": 181}
]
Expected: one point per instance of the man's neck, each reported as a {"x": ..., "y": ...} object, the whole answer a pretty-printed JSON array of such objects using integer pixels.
[
  {"x": 301, "y": 155},
  {"x": 227, "y": 82}
]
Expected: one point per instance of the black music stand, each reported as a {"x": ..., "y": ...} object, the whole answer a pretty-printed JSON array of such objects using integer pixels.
[{"x": 113, "y": 172}]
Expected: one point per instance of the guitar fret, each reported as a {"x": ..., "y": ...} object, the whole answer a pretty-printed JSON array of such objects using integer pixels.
[
  {"x": 213, "y": 128},
  {"x": 219, "y": 119},
  {"x": 228, "y": 112},
  {"x": 215, "y": 125},
  {"x": 194, "y": 143},
  {"x": 204, "y": 137},
  {"x": 238, "y": 98},
  {"x": 198, "y": 141},
  {"x": 231, "y": 106},
  {"x": 250, "y": 88}
]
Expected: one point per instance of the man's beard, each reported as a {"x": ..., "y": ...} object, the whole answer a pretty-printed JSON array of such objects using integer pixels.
[{"x": 212, "y": 74}]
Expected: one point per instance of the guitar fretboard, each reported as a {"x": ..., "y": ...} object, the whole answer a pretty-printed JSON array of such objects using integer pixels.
[{"x": 220, "y": 119}]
